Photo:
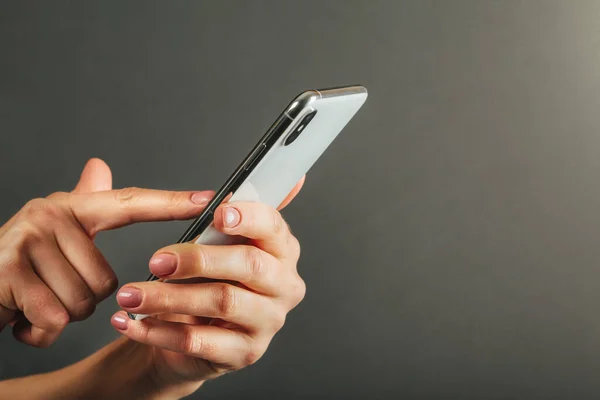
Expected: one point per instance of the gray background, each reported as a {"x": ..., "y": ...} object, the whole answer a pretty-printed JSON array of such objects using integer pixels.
[{"x": 450, "y": 235}]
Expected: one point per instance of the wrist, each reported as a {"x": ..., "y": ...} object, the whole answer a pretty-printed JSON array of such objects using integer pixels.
[
  {"x": 124, "y": 369},
  {"x": 118, "y": 370},
  {"x": 127, "y": 369}
]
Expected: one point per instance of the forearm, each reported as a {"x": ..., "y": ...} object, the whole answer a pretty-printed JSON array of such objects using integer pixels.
[{"x": 120, "y": 370}]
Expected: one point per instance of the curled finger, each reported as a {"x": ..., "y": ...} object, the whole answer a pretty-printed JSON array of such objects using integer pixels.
[
  {"x": 216, "y": 345},
  {"x": 250, "y": 311}
]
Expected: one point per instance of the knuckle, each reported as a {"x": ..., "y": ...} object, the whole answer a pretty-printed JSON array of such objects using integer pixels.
[
  {"x": 226, "y": 300},
  {"x": 298, "y": 290},
  {"x": 201, "y": 260},
  {"x": 254, "y": 262},
  {"x": 146, "y": 333},
  {"x": 28, "y": 234},
  {"x": 60, "y": 319},
  {"x": 42, "y": 341},
  {"x": 41, "y": 208},
  {"x": 108, "y": 285},
  {"x": 295, "y": 247},
  {"x": 191, "y": 343},
  {"x": 253, "y": 354},
  {"x": 195, "y": 344},
  {"x": 279, "y": 319},
  {"x": 278, "y": 224},
  {"x": 51, "y": 316},
  {"x": 127, "y": 196},
  {"x": 161, "y": 299},
  {"x": 176, "y": 199},
  {"x": 58, "y": 196},
  {"x": 34, "y": 205},
  {"x": 83, "y": 308}
]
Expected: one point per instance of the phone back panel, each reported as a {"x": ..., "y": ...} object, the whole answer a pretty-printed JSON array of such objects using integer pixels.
[
  {"x": 280, "y": 169},
  {"x": 281, "y": 166}
]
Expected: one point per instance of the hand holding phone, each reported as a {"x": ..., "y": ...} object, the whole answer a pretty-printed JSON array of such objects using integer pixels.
[{"x": 297, "y": 138}]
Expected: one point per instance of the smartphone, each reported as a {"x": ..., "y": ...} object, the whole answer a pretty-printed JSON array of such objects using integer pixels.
[{"x": 297, "y": 138}]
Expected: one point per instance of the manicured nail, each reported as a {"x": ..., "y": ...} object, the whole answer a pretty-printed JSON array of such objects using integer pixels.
[
  {"x": 119, "y": 322},
  {"x": 163, "y": 264},
  {"x": 129, "y": 297},
  {"x": 231, "y": 217},
  {"x": 200, "y": 198}
]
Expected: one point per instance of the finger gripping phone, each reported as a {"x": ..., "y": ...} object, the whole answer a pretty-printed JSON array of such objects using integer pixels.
[{"x": 297, "y": 138}]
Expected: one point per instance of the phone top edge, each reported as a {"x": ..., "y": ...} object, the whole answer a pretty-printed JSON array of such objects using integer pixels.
[
  {"x": 336, "y": 91},
  {"x": 304, "y": 99},
  {"x": 301, "y": 102}
]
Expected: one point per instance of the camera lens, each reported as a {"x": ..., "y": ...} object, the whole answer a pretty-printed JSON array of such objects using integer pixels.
[{"x": 301, "y": 126}]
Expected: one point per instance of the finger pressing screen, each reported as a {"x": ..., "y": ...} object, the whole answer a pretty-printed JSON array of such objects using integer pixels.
[{"x": 116, "y": 208}]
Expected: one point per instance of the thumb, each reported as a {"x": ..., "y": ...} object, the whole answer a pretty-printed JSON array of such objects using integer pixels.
[{"x": 95, "y": 177}]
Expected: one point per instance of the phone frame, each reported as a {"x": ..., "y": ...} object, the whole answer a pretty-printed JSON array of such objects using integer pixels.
[{"x": 268, "y": 140}]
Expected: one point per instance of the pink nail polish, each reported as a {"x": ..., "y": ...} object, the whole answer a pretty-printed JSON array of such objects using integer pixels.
[
  {"x": 231, "y": 217},
  {"x": 129, "y": 297},
  {"x": 163, "y": 264},
  {"x": 200, "y": 198},
  {"x": 119, "y": 322}
]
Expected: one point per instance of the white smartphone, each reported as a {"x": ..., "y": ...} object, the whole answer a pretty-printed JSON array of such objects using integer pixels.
[{"x": 281, "y": 157}]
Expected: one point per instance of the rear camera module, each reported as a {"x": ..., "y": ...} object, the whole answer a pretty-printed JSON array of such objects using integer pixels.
[{"x": 301, "y": 126}]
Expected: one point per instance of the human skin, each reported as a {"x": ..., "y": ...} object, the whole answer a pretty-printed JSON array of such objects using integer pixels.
[{"x": 221, "y": 320}]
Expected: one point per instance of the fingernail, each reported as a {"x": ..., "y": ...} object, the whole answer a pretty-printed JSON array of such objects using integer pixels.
[
  {"x": 231, "y": 217},
  {"x": 200, "y": 198},
  {"x": 129, "y": 297},
  {"x": 119, "y": 322},
  {"x": 163, "y": 264}
]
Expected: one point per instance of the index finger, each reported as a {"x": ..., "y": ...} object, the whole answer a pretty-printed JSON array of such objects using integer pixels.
[{"x": 112, "y": 209}]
